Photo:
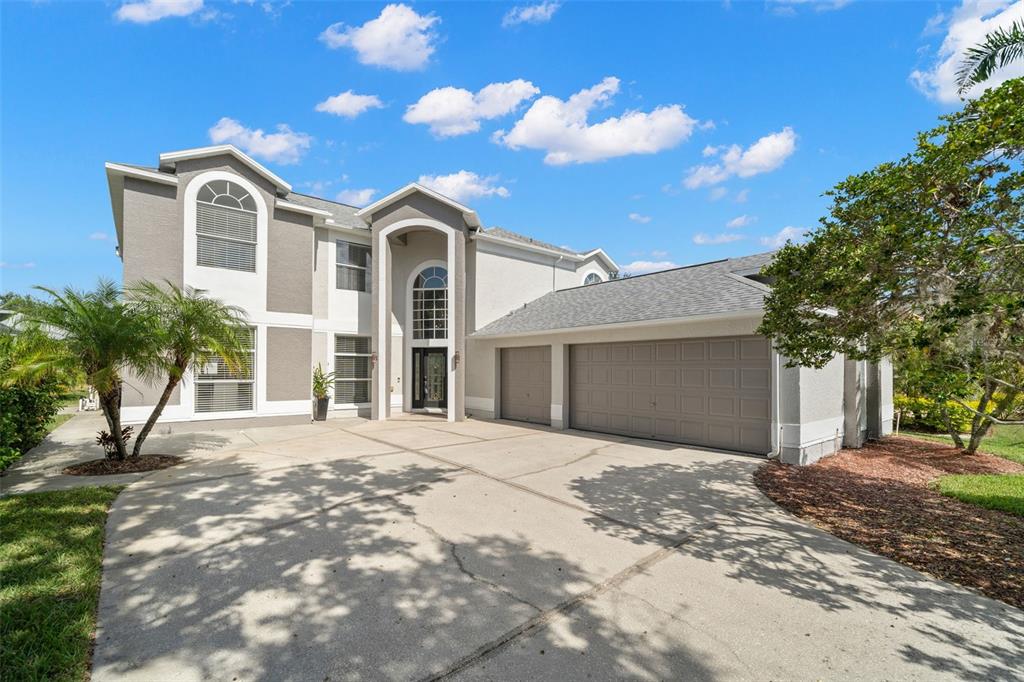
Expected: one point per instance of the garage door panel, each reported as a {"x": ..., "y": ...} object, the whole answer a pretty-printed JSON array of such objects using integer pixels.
[
  {"x": 526, "y": 384},
  {"x": 722, "y": 378},
  {"x": 713, "y": 392}
]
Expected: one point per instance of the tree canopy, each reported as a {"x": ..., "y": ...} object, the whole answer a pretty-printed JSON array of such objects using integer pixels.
[{"x": 922, "y": 255}]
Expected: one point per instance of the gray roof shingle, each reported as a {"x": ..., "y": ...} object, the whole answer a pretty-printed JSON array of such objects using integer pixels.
[
  {"x": 703, "y": 289},
  {"x": 343, "y": 214},
  {"x": 516, "y": 237}
]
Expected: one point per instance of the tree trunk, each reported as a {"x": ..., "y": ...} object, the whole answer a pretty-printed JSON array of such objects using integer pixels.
[
  {"x": 980, "y": 423},
  {"x": 158, "y": 409},
  {"x": 951, "y": 428},
  {"x": 110, "y": 402}
]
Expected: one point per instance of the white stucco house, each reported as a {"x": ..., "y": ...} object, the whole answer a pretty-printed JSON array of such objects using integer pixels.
[{"x": 418, "y": 307}]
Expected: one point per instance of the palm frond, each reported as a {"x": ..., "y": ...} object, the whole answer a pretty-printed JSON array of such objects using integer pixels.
[{"x": 1000, "y": 47}]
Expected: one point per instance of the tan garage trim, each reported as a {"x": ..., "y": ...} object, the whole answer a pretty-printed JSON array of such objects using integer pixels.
[
  {"x": 713, "y": 392},
  {"x": 526, "y": 384}
]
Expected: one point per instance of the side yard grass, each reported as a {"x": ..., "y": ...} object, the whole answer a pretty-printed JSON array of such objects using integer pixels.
[
  {"x": 50, "y": 562},
  {"x": 1004, "y": 492},
  {"x": 1004, "y": 440}
]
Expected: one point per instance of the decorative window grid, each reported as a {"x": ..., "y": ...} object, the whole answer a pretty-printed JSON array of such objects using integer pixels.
[
  {"x": 592, "y": 278},
  {"x": 351, "y": 370},
  {"x": 353, "y": 266},
  {"x": 430, "y": 304},
  {"x": 219, "y": 389},
  {"x": 225, "y": 227}
]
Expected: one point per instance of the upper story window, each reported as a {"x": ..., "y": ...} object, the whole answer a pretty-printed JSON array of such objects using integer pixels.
[
  {"x": 226, "y": 227},
  {"x": 592, "y": 278},
  {"x": 430, "y": 304},
  {"x": 353, "y": 266}
]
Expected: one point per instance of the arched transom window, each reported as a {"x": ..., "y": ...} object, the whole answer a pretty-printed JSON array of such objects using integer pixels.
[
  {"x": 430, "y": 304},
  {"x": 226, "y": 226},
  {"x": 592, "y": 278}
]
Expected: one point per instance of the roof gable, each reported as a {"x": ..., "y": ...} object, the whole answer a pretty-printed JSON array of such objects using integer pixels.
[
  {"x": 468, "y": 214},
  {"x": 169, "y": 159}
]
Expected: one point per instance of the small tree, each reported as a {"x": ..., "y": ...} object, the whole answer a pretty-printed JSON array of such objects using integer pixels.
[
  {"x": 191, "y": 329},
  {"x": 922, "y": 258},
  {"x": 99, "y": 335}
]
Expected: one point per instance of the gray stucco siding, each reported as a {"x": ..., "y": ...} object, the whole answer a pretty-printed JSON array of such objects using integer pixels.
[
  {"x": 417, "y": 207},
  {"x": 289, "y": 363},
  {"x": 290, "y": 263},
  {"x": 153, "y": 233},
  {"x": 137, "y": 392}
]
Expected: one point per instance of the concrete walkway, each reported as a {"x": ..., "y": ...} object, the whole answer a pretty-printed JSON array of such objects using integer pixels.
[{"x": 418, "y": 549}]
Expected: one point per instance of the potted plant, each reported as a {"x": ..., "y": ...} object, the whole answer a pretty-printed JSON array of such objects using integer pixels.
[{"x": 321, "y": 384}]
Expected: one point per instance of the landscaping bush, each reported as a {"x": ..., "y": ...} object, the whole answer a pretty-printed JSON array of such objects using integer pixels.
[
  {"x": 925, "y": 414},
  {"x": 25, "y": 412}
]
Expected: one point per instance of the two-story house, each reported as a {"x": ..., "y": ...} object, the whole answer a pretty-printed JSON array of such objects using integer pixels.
[{"x": 417, "y": 307}]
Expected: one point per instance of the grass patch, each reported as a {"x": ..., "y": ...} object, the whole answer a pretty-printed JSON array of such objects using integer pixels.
[
  {"x": 1003, "y": 492},
  {"x": 1004, "y": 440},
  {"x": 50, "y": 562}
]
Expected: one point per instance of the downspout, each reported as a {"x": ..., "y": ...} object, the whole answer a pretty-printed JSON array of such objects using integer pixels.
[{"x": 777, "y": 400}]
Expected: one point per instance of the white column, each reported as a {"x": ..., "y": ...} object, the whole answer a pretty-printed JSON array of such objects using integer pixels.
[
  {"x": 383, "y": 331},
  {"x": 450, "y": 297}
]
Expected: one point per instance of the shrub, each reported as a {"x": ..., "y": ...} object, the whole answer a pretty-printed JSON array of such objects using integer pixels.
[
  {"x": 927, "y": 415},
  {"x": 109, "y": 443},
  {"x": 25, "y": 412}
]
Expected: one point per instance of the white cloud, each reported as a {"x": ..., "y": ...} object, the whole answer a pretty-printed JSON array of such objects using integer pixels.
[
  {"x": 710, "y": 150},
  {"x": 27, "y": 265},
  {"x": 356, "y": 197},
  {"x": 742, "y": 196},
  {"x": 967, "y": 26},
  {"x": 717, "y": 193},
  {"x": 642, "y": 267},
  {"x": 464, "y": 185},
  {"x": 530, "y": 14},
  {"x": 659, "y": 254},
  {"x": 99, "y": 236},
  {"x": 148, "y": 11},
  {"x": 765, "y": 155},
  {"x": 454, "y": 111},
  {"x": 398, "y": 39},
  {"x": 560, "y": 128},
  {"x": 788, "y": 7},
  {"x": 723, "y": 238},
  {"x": 349, "y": 104},
  {"x": 638, "y": 218},
  {"x": 285, "y": 146},
  {"x": 787, "y": 233},
  {"x": 741, "y": 221}
]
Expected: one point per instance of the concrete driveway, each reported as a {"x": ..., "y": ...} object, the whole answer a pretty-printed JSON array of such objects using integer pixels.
[{"x": 418, "y": 549}]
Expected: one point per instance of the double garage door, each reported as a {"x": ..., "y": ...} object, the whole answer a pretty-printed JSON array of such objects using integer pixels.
[{"x": 714, "y": 392}]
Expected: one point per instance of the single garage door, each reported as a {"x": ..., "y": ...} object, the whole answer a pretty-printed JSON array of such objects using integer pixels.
[
  {"x": 713, "y": 392},
  {"x": 526, "y": 384}
]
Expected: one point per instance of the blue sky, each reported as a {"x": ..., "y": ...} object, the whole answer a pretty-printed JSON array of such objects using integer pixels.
[{"x": 775, "y": 101}]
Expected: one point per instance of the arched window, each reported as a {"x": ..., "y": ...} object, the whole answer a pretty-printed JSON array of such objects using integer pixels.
[
  {"x": 430, "y": 304},
  {"x": 592, "y": 278},
  {"x": 226, "y": 226}
]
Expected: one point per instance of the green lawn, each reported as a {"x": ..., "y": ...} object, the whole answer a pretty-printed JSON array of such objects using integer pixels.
[
  {"x": 50, "y": 562},
  {"x": 1004, "y": 492},
  {"x": 1003, "y": 440}
]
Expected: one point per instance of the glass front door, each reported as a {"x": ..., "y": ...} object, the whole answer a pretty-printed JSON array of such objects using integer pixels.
[{"x": 429, "y": 377}]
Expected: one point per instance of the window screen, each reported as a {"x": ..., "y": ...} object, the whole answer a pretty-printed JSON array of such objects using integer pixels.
[
  {"x": 225, "y": 227},
  {"x": 354, "y": 266},
  {"x": 219, "y": 389},
  {"x": 351, "y": 369}
]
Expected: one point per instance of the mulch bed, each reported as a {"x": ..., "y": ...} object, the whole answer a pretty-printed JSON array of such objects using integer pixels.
[
  {"x": 879, "y": 497},
  {"x": 132, "y": 465}
]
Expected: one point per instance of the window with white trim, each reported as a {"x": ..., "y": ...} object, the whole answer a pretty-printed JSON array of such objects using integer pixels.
[
  {"x": 225, "y": 227},
  {"x": 430, "y": 304},
  {"x": 219, "y": 389},
  {"x": 351, "y": 369},
  {"x": 353, "y": 266},
  {"x": 592, "y": 278}
]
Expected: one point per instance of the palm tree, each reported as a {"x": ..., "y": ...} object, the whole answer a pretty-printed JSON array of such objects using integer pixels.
[
  {"x": 193, "y": 329},
  {"x": 1000, "y": 47},
  {"x": 100, "y": 335}
]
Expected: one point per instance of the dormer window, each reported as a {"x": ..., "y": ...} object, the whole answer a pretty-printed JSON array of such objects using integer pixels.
[
  {"x": 225, "y": 227},
  {"x": 592, "y": 278}
]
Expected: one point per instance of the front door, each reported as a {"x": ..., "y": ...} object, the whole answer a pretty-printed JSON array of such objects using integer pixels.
[{"x": 429, "y": 378}]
